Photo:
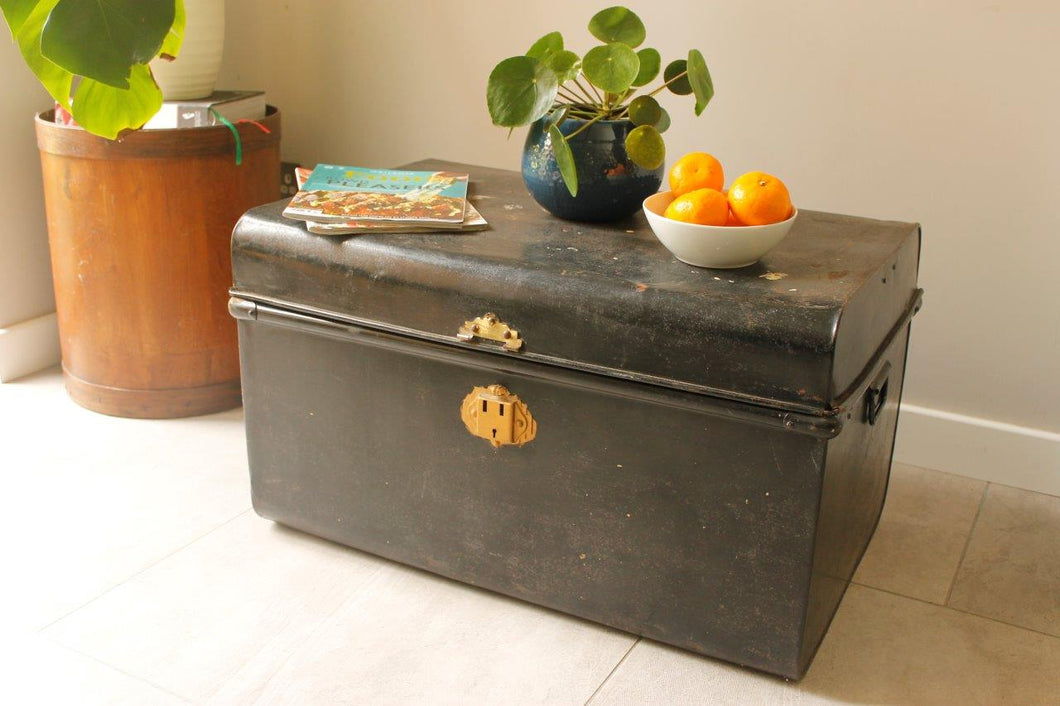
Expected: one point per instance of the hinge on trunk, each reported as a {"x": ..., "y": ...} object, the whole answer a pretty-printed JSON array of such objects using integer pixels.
[{"x": 242, "y": 309}]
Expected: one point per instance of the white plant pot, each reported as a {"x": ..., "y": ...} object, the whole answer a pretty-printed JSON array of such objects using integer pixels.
[{"x": 194, "y": 72}]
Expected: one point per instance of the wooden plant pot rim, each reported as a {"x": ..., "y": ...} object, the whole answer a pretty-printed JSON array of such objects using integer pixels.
[{"x": 73, "y": 141}]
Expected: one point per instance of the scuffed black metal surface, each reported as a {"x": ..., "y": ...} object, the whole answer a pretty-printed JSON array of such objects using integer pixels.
[
  {"x": 674, "y": 523},
  {"x": 705, "y": 477},
  {"x": 609, "y": 296}
]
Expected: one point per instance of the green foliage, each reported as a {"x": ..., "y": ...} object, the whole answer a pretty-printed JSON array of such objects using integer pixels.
[
  {"x": 550, "y": 80},
  {"x": 134, "y": 30},
  {"x": 650, "y": 61},
  {"x": 663, "y": 123},
  {"x": 676, "y": 77},
  {"x": 16, "y": 12},
  {"x": 564, "y": 159},
  {"x": 175, "y": 36},
  {"x": 550, "y": 43},
  {"x": 644, "y": 110},
  {"x": 520, "y": 90},
  {"x": 617, "y": 24},
  {"x": 565, "y": 64},
  {"x": 611, "y": 67},
  {"x": 107, "y": 45},
  {"x": 699, "y": 77},
  {"x": 645, "y": 146},
  {"x": 557, "y": 116},
  {"x": 99, "y": 105}
]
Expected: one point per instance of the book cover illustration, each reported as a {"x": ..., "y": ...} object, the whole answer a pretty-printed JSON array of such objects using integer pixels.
[
  {"x": 473, "y": 220},
  {"x": 337, "y": 194}
]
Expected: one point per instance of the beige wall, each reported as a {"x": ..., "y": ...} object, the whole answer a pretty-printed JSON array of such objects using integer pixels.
[
  {"x": 25, "y": 271},
  {"x": 941, "y": 112}
]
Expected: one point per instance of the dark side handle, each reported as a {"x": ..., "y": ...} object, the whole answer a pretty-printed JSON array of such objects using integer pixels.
[{"x": 876, "y": 394}]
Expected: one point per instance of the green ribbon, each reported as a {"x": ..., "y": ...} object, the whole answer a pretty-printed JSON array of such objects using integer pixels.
[{"x": 235, "y": 133}]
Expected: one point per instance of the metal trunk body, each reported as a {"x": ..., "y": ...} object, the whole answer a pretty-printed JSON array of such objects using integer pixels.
[{"x": 710, "y": 450}]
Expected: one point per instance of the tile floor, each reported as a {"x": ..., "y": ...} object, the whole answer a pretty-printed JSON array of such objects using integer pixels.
[{"x": 136, "y": 573}]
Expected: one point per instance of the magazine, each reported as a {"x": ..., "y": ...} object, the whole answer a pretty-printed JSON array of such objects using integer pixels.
[
  {"x": 339, "y": 194},
  {"x": 473, "y": 220}
]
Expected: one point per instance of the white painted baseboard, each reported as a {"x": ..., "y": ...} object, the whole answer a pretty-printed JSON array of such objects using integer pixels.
[
  {"x": 28, "y": 346},
  {"x": 979, "y": 448}
]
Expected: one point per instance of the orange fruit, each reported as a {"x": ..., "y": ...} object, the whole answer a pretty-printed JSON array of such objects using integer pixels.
[
  {"x": 705, "y": 207},
  {"x": 757, "y": 199},
  {"x": 696, "y": 170}
]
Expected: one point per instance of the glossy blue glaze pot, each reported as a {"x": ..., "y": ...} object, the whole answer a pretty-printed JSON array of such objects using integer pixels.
[{"x": 610, "y": 185}]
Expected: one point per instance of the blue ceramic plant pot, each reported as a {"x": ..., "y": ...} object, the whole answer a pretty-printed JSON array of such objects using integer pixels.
[{"x": 610, "y": 185}]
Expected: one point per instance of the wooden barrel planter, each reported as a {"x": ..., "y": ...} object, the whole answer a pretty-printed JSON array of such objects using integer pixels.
[{"x": 139, "y": 230}]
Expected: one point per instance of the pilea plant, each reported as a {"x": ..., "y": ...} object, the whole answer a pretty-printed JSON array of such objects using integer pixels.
[
  {"x": 92, "y": 56},
  {"x": 550, "y": 80}
]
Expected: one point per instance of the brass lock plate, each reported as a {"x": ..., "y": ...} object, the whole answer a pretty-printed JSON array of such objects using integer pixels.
[
  {"x": 496, "y": 415},
  {"x": 488, "y": 326}
]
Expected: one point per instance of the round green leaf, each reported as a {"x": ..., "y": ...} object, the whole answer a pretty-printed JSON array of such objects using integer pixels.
[
  {"x": 520, "y": 90},
  {"x": 664, "y": 121},
  {"x": 681, "y": 86},
  {"x": 558, "y": 115},
  {"x": 564, "y": 159},
  {"x": 549, "y": 44},
  {"x": 645, "y": 146},
  {"x": 611, "y": 67},
  {"x": 650, "y": 61},
  {"x": 644, "y": 110},
  {"x": 699, "y": 77},
  {"x": 102, "y": 41},
  {"x": 617, "y": 24},
  {"x": 565, "y": 64}
]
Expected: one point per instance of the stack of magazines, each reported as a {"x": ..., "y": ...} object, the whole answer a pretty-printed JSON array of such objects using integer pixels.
[{"x": 334, "y": 200}]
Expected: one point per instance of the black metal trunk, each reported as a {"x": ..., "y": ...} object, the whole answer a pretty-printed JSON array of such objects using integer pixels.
[{"x": 712, "y": 447}]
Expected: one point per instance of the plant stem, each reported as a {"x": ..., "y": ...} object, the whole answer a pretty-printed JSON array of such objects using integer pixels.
[
  {"x": 599, "y": 116},
  {"x": 680, "y": 75},
  {"x": 595, "y": 89},
  {"x": 565, "y": 93},
  {"x": 599, "y": 99}
]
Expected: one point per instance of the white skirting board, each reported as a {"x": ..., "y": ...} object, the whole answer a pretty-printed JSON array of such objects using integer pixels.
[
  {"x": 28, "y": 346},
  {"x": 979, "y": 448}
]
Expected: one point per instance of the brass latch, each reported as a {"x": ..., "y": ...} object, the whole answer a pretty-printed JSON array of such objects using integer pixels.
[
  {"x": 498, "y": 416},
  {"x": 490, "y": 327}
]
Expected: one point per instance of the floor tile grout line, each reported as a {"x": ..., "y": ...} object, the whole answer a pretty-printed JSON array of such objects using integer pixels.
[
  {"x": 958, "y": 610},
  {"x": 150, "y": 566},
  {"x": 612, "y": 672},
  {"x": 321, "y": 624},
  {"x": 134, "y": 677},
  {"x": 967, "y": 543}
]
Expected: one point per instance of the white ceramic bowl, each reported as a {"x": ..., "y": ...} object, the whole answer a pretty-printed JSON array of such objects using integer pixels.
[{"x": 724, "y": 247}]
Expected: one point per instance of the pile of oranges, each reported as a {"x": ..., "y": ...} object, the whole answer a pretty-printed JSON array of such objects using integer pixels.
[{"x": 754, "y": 199}]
